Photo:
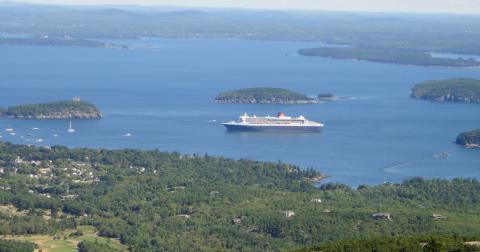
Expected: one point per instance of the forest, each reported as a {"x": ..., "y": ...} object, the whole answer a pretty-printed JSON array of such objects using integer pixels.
[
  {"x": 262, "y": 95},
  {"x": 387, "y": 55},
  {"x": 452, "y": 90},
  {"x": 426, "y": 33},
  {"x": 469, "y": 138},
  {"x": 54, "y": 110},
  {"x": 431, "y": 243},
  {"x": 155, "y": 201}
]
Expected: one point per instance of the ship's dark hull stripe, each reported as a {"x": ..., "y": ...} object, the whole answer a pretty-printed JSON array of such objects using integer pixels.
[{"x": 273, "y": 128}]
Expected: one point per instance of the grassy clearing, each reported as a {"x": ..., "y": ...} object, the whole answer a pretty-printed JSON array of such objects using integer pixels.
[
  {"x": 49, "y": 243},
  {"x": 11, "y": 211}
]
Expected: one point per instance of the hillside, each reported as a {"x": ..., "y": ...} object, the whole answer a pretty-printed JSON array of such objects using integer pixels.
[
  {"x": 401, "y": 243},
  {"x": 72, "y": 109},
  {"x": 450, "y": 90},
  {"x": 151, "y": 199},
  {"x": 263, "y": 95}
]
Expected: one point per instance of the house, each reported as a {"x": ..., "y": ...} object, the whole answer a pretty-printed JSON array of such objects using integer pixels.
[
  {"x": 237, "y": 221},
  {"x": 44, "y": 170},
  {"x": 438, "y": 216},
  {"x": 214, "y": 193},
  {"x": 289, "y": 214},
  {"x": 382, "y": 216}
]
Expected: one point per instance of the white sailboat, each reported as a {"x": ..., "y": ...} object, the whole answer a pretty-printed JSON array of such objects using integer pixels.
[{"x": 70, "y": 129}]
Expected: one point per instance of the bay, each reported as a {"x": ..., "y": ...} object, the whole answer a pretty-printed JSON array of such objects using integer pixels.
[{"x": 163, "y": 96}]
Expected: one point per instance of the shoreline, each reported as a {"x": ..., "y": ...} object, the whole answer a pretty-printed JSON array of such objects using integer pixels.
[{"x": 390, "y": 63}]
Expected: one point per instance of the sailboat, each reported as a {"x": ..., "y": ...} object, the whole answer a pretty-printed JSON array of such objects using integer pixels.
[{"x": 70, "y": 129}]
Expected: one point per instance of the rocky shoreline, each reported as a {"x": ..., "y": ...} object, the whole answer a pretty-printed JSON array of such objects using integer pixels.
[
  {"x": 469, "y": 139},
  {"x": 269, "y": 96},
  {"x": 60, "y": 116},
  {"x": 450, "y": 90},
  {"x": 270, "y": 101}
]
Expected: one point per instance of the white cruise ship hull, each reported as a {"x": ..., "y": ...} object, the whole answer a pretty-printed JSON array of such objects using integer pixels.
[{"x": 272, "y": 128}]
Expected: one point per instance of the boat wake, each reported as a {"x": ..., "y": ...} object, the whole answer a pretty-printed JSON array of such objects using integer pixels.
[{"x": 394, "y": 169}]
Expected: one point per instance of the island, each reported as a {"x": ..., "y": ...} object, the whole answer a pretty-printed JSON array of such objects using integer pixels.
[
  {"x": 469, "y": 139},
  {"x": 264, "y": 95},
  {"x": 326, "y": 97},
  {"x": 452, "y": 90},
  {"x": 388, "y": 55},
  {"x": 71, "y": 109}
]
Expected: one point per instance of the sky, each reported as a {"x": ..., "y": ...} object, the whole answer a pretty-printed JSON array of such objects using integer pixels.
[{"x": 423, "y": 6}]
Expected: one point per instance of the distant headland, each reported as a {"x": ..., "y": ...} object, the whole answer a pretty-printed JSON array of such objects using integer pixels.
[
  {"x": 450, "y": 90},
  {"x": 46, "y": 41},
  {"x": 385, "y": 55},
  {"x": 269, "y": 95},
  {"x": 71, "y": 109},
  {"x": 469, "y": 139}
]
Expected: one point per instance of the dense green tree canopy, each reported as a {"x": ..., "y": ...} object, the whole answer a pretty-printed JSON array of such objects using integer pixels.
[{"x": 153, "y": 200}]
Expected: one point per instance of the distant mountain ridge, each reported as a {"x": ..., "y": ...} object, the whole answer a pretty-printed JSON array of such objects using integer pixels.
[{"x": 427, "y": 33}]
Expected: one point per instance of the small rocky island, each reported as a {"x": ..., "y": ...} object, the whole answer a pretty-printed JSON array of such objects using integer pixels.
[
  {"x": 469, "y": 139},
  {"x": 450, "y": 90},
  {"x": 71, "y": 109},
  {"x": 267, "y": 95}
]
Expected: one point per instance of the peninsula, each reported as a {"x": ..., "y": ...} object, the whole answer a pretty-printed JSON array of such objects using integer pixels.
[
  {"x": 451, "y": 90},
  {"x": 72, "y": 109},
  {"x": 384, "y": 55},
  {"x": 469, "y": 139},
  {"x": 54, "y": 42},
  {"x": 264, "y": 95}
]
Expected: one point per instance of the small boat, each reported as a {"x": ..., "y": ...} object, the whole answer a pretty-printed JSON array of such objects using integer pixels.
[
  {"x": 13, "y": 133},
  {"x": 35, "y": 128},
  {"x": 39, "y": 140},
  {"x": 70, "y": 129},
  {"x": 127, "y": 135},
  {"x": 55, "y": 135},
  {"x": 9, "y": 129}
]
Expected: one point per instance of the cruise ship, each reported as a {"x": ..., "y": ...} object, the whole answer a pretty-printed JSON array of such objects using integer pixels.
[{"x": 279, "y": 123}]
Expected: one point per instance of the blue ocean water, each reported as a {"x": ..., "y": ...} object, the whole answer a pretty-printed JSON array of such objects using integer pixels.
[{"x": 162, "y": 95}]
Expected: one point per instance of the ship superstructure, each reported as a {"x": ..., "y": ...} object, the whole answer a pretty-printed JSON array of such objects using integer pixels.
[{"x": 279, "y": 123}]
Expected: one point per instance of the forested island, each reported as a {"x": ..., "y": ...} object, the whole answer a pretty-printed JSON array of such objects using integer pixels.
[
  {"x": 264, "y": 95},
  {"x": 454, "y": 90},
  {"x": 387, "y": 55},
  {"x": 469, "y": 139},
  {"x": 71, "y": 109},
  {"x": 152, "y": 199}
]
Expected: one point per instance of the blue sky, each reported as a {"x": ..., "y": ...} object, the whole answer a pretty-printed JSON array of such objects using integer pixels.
[{"x": 429, "y": 6}]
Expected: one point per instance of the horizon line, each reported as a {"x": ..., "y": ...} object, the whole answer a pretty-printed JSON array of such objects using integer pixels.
[{"x": 240, "y": 8}]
